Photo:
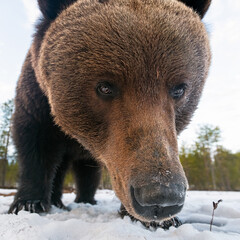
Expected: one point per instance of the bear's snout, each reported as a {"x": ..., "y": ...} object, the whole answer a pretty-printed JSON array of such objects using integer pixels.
[
  {"x": 157, "y": 201},
  {"x": 147, "y": 174}
]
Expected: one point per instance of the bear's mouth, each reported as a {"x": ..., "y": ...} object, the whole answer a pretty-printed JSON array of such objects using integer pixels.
[{"x": 154, "y": 212}]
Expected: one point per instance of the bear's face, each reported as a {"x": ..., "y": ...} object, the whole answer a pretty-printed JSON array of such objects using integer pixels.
[{"x": 124, "y": 78}]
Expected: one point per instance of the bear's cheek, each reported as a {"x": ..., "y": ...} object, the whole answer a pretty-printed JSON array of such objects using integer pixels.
[{"x": 79, "y": 115}]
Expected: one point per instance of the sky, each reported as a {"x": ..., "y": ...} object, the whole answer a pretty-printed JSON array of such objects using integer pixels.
[{"x": 219, "y": 105}]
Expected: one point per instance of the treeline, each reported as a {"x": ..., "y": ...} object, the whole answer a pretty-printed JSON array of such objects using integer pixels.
[
  {"x": 8, "y": 165},
  {"x": 207, "y": 164}
]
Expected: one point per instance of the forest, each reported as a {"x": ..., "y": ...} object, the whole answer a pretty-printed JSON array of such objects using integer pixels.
[{"x": 207, "y": 164}]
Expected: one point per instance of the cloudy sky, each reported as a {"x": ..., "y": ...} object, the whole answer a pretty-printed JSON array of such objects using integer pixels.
[{"x": 220, "y": 104}]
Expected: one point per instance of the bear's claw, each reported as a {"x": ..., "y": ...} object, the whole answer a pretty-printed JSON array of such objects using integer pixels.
[
  {"x": 33, "y": 206},
  {"x": 59, "y": 204}
]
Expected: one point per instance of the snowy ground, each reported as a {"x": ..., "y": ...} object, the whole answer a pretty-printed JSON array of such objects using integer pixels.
[{"x": 101, "y": 221}]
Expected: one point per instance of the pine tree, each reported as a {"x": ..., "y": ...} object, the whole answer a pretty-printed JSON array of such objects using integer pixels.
[{"x": 208, "y": 138}]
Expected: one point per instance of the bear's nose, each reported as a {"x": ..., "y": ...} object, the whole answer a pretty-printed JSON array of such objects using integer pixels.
[
  {"x": 158, "y": 201},
  {"x": 160, "y": 194}
]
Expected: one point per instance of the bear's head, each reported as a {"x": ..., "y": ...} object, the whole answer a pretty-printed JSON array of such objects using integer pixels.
[{"x": 124, "y": 77}]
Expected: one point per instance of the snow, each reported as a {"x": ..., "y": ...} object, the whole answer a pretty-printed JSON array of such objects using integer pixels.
[
  {"x": 102, "y": 221},
  {"x": 7, "y": 191}
]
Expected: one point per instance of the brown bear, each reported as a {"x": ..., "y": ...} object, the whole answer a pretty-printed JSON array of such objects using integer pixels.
[{"x": 109, "y": 82}]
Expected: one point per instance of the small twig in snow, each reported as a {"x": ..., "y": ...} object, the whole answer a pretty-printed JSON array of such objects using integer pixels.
[{"x": 215, "y": 205}]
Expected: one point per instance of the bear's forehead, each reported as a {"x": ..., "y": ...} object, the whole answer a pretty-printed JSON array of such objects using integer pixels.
[
  {"x": 128, "y": 37},
  {"x": 128, "y": 21}
]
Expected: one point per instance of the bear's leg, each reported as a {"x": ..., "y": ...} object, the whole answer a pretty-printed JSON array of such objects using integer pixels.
[
  {"x": 40, "y": 147},
  {"x": 87, "y": 174},
  {"x": 58, "y": 184}
]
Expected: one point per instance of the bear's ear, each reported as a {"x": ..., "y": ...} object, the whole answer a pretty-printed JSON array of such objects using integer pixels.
[
  {"x": 51, "y": 8},
  {"x": 199, "y": 6}
]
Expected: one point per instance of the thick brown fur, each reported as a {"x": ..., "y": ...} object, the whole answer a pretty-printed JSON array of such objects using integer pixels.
[{"x": 144, "y": 48}]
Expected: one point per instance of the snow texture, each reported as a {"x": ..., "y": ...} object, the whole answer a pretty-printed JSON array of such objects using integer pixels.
[{"x": 102, "y": 221}]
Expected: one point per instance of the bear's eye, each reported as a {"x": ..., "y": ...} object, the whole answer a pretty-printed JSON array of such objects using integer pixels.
[
  {"x": 178, "y": 91},
  {"x": 103, "y": 88},
  {"x": 106, "y": 90}
]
